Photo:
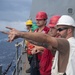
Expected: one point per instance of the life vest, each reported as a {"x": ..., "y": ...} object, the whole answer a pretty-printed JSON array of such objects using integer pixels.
[{"x": 29, "y": 48}]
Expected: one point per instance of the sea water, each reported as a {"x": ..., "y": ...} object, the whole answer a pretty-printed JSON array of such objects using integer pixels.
[{"x": 7, "y": 53}]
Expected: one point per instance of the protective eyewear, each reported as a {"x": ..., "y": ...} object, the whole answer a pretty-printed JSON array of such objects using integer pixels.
[{"x": 61, "y": 29}]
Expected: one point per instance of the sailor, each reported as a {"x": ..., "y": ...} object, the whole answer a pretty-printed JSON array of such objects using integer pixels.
[
  {"x": 47, "y": 55},
  {"x": 41, "y": 21},
  {"x": 64, "y": 58},
  {"x": 30, "y": 27},
  {"x": 29, "y": 46},
  {"x": 64, "y": 45},
  {"x": 28, "y": 24},
  {"x": 52, "y": 25}
]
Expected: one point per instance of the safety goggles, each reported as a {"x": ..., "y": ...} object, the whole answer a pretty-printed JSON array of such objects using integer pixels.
[{"x": 61, "y": 29}]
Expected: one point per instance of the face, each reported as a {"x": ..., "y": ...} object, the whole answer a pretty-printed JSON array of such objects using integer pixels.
[
  {"x": 53, "y": 31},
  {"x": 28, "y": 27},
  {"x": 40, "y": 22},
  {"x": 62, "y": 31}
]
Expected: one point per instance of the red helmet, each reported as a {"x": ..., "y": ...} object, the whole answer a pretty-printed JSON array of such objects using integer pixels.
[
  {"x": 41, "y": 15},
  {"x": 53, "y": 20}
]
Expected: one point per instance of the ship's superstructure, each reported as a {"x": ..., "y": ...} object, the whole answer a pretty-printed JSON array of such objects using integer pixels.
[{"x": 53, "y": 7}]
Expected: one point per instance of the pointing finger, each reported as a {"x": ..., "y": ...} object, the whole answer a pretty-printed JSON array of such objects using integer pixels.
[
  {"x": 9, "y": 28},
  {"x": 4, "y": 32}
]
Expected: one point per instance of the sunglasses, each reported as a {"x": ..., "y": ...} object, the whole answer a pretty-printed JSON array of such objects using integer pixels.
[{"x": 61, "y": 29}]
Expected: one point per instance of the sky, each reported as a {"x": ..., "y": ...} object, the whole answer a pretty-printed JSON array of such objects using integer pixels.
[{"x": 14, "y": 13}]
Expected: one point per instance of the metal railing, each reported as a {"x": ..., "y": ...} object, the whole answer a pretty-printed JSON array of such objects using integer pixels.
[
  {"x": 18, "y": 69},
  {"x": 0, "y": 69}
]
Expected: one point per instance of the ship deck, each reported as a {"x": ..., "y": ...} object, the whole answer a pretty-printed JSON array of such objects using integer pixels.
[
  {"x": 26, "y": 66},
  {"x": 22, "y": 65}
]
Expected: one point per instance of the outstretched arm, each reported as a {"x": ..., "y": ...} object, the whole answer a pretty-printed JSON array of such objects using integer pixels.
[{"x": 43, "y": 39}]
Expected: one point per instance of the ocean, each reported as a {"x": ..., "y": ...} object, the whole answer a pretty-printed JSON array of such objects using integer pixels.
[{"x": 7, "y": 53}]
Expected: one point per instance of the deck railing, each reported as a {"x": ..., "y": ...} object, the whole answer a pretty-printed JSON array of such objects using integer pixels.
[
  {"x": 18, "y": 69},
  {"x": 0, "y": 69}
]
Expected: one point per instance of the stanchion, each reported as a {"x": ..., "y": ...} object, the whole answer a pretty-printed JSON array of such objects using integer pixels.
[
  {"x": 17, "y": 46},
  {"x": 0, "y": 69}
]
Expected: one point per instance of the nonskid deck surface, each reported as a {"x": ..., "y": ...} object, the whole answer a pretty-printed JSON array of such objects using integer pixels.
[
  {"x": 26, "y": 65},
  {"x": 23, "y": 65}
]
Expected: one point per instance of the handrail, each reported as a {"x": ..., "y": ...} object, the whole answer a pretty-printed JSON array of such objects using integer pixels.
[
  {"x": 18, "y": 57},
  {"x": 0, "y": 69}
]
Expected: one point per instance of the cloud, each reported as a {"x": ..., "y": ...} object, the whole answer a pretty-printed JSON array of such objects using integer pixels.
[
  {"x": 18, "y": 25},
  {"x": 14, "y": 10},
  {"x": 14, "y": 13}
]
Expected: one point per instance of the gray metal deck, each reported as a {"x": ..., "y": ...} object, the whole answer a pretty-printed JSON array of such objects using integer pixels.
[
  {"x": 26, "y": 65},
  {"x": 22, "y": 63}
]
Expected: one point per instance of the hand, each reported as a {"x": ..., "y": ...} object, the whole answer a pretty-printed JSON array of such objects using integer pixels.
[
  {"x": 12, "y": 34},
  {"x": 35, "y": 51}
]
